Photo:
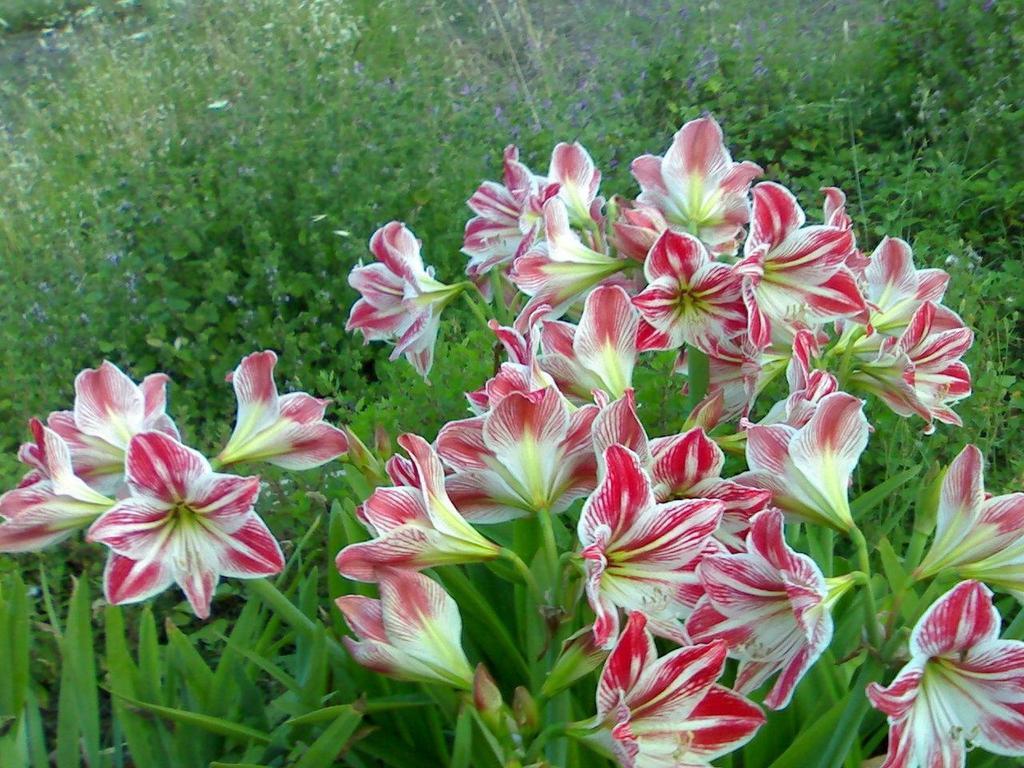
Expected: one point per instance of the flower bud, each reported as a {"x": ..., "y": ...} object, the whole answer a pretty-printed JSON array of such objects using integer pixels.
[
  {"x": 580, "y": 655},
  {"x": 524, "y": 708},
  {"x": 362, "y": 457},
  {"x": 487, "y": 698}
]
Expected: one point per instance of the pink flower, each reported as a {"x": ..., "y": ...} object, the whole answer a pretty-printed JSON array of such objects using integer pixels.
[
  {"x": 413, "y": 632},
  {"x": 789, "y": 269},
  {"x": 669, "y": 712},
  {"x": 962, "y": 684},
  {"x": 573, "y": 170},
  {"x": 808, "y": 469},
  {"x": 921, "y": 372},
  {"x": 54, "y": 505},
  {"x": 636, "y": 228},
  {"x": 598, "y": 354},
  {"x": 697, "y": 186},
  {"x": 977, "y": 535},
  {"x": 641, "y": 555},
  {"x": 683, "y": 466},
  {"x": 184, "y": 523},
  {"x": 770, "y": 605},
  {"x": 416, "y": 526},
  {"x": 287, "y": 431},
  {"x": 689, "y": 299},
  {"x": 109, "y": 410},
  {"x": 530, "y": 452},
  {"x": 561, "y": 270},
  {"x": 401, "y": 300},
  {"x": 807, "y": 385},
  {"x": 896, "y": 289},
  {"x": 508, "y": 216}
]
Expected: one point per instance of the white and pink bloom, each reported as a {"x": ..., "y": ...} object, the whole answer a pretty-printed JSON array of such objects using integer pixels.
[
  {"x": 600, "y": 353},
  {"x": 684, "y": 466},
  {"x": 977, "y": 535},
  {"x": 508, "y": 216},
  {"x": 53, "y": 504},
  {"x": 697, "y": 186},
  {"x": 636, "y": 228},
  {"x": 415, "y": 526},
  {"x": 807, "y": 385},
  {"x": 792, "y": 271},
  {"x": 288, "y": 431},
  {"x": 690, "y": 298},
  {"x": 401, "y": 299},
  {"x": 181, "y": 522},
  {"x": 641, "y": 555},
  {"x": 896, "y": 289},
  {"x": 413, "y": 632},
  {"x": 669, "y": 712},
  {"x": 562, "y": 269},
  {"x": 962, "y": 684},
  {"x": 808, "y": 469},
  {"x": 578, "y": 179},
  {"x": 109, "y": 410},
  {"x": 531, "y": 452},
  {"x": 770, "y": 605}
]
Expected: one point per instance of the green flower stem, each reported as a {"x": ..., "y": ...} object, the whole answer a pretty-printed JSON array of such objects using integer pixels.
[
  {"x": 524, "y": 572},
  {"x": 846, "y": 361},
  {"x": 698, "y": 373},
  {"x": 285, "y": 610},
  {"x": 547, "y": 532},
  {"x": 498, "y": 289},
  {"x": 468, "y": 289},
  {"x": 537, "y": 745},
  {"x": 870, "y": 609}
]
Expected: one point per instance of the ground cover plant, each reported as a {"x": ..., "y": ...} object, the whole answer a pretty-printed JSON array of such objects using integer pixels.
[{"x": 103, "y": 185}]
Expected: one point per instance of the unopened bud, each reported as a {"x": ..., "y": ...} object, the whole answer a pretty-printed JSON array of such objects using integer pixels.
[
  {"x": 382, "y": 441},
  {"x": 487, "y": 697},
  {"x": 580, "y": 656},
  {"x": 524, "y": 708}
]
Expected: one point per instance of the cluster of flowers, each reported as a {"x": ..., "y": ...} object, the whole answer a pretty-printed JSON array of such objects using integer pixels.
[
  {"x": 115, "y": 464},
  {"x": 665, "y": 546}
]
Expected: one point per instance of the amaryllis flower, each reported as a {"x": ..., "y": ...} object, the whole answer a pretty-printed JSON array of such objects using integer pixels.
[
  {"x": 791, "y": 270},
  {"x": 181, "y": 522},
  {"x": 598, "y": 354},
  {"x": 739, "y": 371},
  {"x": 921, "y": 371},
  {"x": 413, "y": 632},
  {"x": 690, "y": 298},
  {"x": 896, "y": 289},
  {"x": 561, "y": 270},
  {"x": 962, "y": 684},
  {"x": 508, "y": 217},
  {"x": 808, "y": 469},
  {"x": 416, "y": 526},
  {"x": 807, "y": 385},
  {"x": 770, "y": 605},
  {"x": 669, "y": 712},
  {"x": 977, "y": 535},
  {"x": 401, "y": 299},
  {"x": 684, "y": 466},
  {"x": 640, "y": 555},
  {"x": 109, "y": 410},
  {"x": 636, "y": 228},
  {"x": 531, "y": 452},
  {"x": 54, "y": 505},
  {"x": 288, "y": 431},
  {"x": 577, "y": 177},
  {"x": 697, "y": 186}
]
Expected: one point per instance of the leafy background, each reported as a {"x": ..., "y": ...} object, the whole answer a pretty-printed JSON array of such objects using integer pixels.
[{"x": 181, "y": 183}]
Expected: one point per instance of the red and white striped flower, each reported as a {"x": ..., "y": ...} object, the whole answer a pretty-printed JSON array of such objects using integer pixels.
[
  {"x": 807, "y": 385},
  {"x": 416, "y": 526},
  {"x": 401, "y": 299},
  {"x": 599, "y": 353},
  {"x": 181, "y": 522},
  {"x": 669, "y": 712},
  {"x": 578, "y": 179},
  {"x": 790, "y": 270},
  {"x": 697, "y": 186},
  {"x": 636, "y": 228},
  {"x": 109, "y": 410},
  {"x": 977, "y": 535},
  {"x": 54, "y": 505},
  {"x": 413, "y": 632},
  {"x": 896, "y": 289},
  {"x": 532, "y": 451},
  {"x": 690, "y": 298},
  {"x": 808, "y": 469},
  {"x": 770, "y": 605},
  {"x": 641, "y": 555},
  {"x": 561, "y": 270},
  {"x": 288, "y": 431},
  {"x": 921, "y": 371},
  {"x": 962, "y": 684},
  {"x": 684, "y": 466},
  {"x": 508, "y": 216}
]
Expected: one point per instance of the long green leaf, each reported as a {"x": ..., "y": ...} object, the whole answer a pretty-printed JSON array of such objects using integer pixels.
[
  {"x": 78, "y": 719},
  {"x": 323, "y": 752},
  {"x": 462, "y": 749},
  {"x": 806, "y": 746},
  {"x": 872, "y": 498},
  {"x": 206, "y": 722}
]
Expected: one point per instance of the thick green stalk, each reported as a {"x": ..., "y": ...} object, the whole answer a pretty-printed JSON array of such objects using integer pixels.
[
  {"x": 698, "y": 373},
  {"x": 870, "y": 609}
]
